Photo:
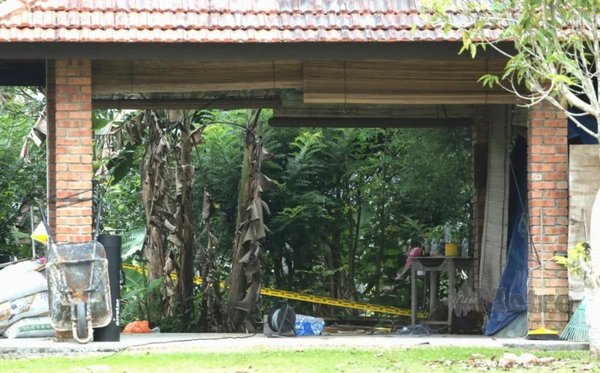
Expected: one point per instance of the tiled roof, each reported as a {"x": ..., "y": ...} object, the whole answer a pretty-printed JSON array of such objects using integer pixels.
[{"x": 216, "y": 21}]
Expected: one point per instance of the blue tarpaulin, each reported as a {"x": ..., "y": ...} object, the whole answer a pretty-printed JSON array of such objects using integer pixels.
[
  {"x": 511, "y": 297},
  {"x": 578, "y": 135}
]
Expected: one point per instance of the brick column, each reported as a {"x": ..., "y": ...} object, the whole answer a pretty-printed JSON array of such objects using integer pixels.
[
  {"x": 547, "y": 176},
  {"x": 69, "y": 149}
]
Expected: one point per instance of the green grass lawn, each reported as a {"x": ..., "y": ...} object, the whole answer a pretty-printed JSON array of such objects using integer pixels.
[{"x": 423, "y": 359}]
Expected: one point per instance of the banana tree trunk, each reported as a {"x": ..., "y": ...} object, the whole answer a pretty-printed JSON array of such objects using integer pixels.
[
  {"x": 592, "y": 290},
  {"x": 153, "y": 197},
  {"x": 184, "y": 222},
  {"x": 246, "y": 266},
  {"x": 155, "y": 175}
]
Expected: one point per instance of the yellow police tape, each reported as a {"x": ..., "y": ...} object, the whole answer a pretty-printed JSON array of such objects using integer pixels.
[{"x": 312, "y": 298}]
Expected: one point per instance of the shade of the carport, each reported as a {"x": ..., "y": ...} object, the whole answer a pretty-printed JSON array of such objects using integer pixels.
[{"x": 71, "y": 36}]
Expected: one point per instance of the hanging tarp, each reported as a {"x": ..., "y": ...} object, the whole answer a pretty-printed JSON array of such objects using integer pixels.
[
  {"x": 578, "y": 136},
  {"x": 511, "y": 298},
  {"x": 494, "y": 239}
]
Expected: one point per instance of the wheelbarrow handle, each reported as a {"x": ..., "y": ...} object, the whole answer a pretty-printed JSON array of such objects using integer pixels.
[{"x": 98, "y": 218}]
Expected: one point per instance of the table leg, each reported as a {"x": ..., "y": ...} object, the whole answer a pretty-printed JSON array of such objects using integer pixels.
[
  {"x": 433, "y": 290},
  {"x": 413, "y": 296},
  {"x": 451, "y": 291}
]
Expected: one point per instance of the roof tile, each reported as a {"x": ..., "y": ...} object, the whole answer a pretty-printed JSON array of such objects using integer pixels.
[{"x": 216, "y": 21}]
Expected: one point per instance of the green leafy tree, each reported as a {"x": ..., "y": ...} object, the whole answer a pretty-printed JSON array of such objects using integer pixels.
[
  {"x": 327, "y": 225},
  {"x": 21, "y": 181},
  {"x": 351, "y": 198},
  {"x": 297, "y": 242}
]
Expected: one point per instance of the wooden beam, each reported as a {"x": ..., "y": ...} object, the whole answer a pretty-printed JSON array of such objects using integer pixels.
[
  {"x": 292, "y": 107},
  {"x": 22, "y": 73},
  {"x": 370, "y": 122},
  {"x": 111, "y": 76},
  {"x": 187, "y": 104},
  {"x": 402, "y": 82},
  {"x": 418, "y": 98},
  {"x": 243, "y": 51}
]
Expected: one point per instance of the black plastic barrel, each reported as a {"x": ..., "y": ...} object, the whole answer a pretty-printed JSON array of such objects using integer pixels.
[{"x": 112, "y": 245}]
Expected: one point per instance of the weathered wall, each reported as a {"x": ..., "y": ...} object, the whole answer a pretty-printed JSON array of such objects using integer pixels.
[{"x": 584, "y": 167}]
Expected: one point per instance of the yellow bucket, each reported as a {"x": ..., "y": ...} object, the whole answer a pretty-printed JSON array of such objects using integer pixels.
[{"x": 451, "y": 249}]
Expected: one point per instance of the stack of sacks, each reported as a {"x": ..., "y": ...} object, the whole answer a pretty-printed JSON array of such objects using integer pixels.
[{"x": 24, "y": 301}]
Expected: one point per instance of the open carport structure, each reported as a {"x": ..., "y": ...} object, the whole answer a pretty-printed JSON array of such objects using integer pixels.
[{"x": 319, "y": 63}]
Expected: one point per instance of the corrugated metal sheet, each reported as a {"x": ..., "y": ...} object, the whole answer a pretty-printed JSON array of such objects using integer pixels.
[{"x": 217, "y": 21}]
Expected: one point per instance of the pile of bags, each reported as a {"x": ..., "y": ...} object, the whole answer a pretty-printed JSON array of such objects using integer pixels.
[{"x": 24, "y": 309}]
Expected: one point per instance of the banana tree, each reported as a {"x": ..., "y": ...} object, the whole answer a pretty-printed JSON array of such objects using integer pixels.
[
  {"x": 250, "y": 231},
  {"x": 167, "y": 175}
]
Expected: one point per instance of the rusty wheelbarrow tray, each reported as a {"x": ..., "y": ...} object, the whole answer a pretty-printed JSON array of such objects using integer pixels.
[{"x": 78, "y": 288}]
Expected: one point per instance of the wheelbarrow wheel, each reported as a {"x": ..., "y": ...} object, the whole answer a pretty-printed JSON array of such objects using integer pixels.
[{"x": 82, "y": 327}]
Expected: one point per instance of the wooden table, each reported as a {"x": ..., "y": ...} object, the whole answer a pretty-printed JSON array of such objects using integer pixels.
[{"x": 436, "y": 265}]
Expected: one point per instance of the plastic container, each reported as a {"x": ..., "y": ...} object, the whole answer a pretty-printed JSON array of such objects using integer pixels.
[
  {"x": 464, "y": 250},
  {"x": 309, "y": 325},
  {"x": 435, "y": 248},
  {"x": 448, "y": 232},
  {"x": 451, "y": 249}
]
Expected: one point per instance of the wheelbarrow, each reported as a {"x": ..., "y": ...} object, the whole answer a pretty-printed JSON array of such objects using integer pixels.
[{"x": 78, "y": 288}]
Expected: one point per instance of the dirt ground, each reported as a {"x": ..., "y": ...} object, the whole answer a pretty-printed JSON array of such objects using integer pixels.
[{"x": 171, "y": 342}]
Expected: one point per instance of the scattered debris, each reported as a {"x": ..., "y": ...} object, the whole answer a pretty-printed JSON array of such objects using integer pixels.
[
  {"x": 510, "y": 361},
  {"x": 355, "y": 329},
  {"x": 137, "y": 327},
  {"x": 413, "y": 330}
]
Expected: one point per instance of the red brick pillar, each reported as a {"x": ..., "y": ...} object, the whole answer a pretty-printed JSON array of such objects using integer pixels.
[
  {"x": 69, "y": 149},
  {"x": 547, "y": 164}
]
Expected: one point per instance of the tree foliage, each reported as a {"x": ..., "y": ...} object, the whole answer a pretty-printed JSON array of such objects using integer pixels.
[
  {"x": 21, "y": 182},
  {"x": 346, "y": 206},
  {"x": 552, "y": 47}
]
